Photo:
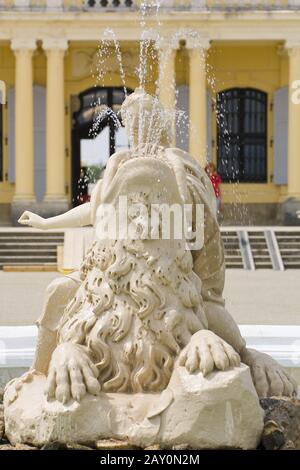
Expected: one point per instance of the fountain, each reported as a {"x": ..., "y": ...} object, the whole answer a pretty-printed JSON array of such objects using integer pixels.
[{"x": 138, "y": 345}]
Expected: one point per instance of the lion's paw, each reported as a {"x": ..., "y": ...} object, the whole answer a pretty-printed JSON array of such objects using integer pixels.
[
  {"x": 206, "y": 352},
  {"x": 269, "y": 378},
  {"x": 71, "y": 374}
]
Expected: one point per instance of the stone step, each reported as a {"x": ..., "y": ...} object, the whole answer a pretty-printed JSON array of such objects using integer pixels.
[
  {"x": 231, "y": 252},
  {"x": 35, "y": 267},
  {"x": 27, "y": 260},
  {"x": 27, "y": 256},
  {"x": 25, "y": 235},
  {"x": 31, "y": 240},
  {"x": 29, "y": 248},
  {"x": 31, "y": 252},
  {"x": 289, "y": 247},
  {"x": 233, "y": 256},
  {"x": 234, "y": 266},
  {"x": 31, "y": 243}
]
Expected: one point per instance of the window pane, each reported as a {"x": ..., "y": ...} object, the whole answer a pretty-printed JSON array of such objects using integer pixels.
[
  {"x": 121, "y": 139},
  {"x": 95, "y": 152},
  {"x": 242, "y": 115},
  {"x": 118, "y": 96}
]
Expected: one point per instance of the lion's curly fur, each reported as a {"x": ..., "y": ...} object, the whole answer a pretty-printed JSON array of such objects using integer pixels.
[{"x": 137, "y": 307}]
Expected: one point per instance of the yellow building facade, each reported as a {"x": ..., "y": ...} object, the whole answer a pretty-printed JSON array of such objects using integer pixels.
[{"x": 242, "y": 59}]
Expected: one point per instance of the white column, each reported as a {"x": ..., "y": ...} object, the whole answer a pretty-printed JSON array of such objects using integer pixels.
[
  {"x": 55, "y": 120},
  {"x": 197, "y": 99},
  {"x": 167, "y": 77},
  {"x": 24, "y": 151},
  {"x": 294, "y": 121}
]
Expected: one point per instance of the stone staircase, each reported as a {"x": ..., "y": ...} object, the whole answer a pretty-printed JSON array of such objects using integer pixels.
[
  {"x": 252, "y": 248},
  {"x": 260, "y": 251},
  {"x": 233, "y": 255},
  {"x": 248, "y": 248},
  {"x": 29, "y": 248},
  {"x": 289, "y": 247}
]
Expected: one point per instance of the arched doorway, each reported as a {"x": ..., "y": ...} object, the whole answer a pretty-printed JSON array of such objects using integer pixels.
[{"x": 94, "y": 140}]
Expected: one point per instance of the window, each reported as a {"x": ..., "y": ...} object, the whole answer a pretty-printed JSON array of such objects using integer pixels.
[{"x": 242, "y": 135}]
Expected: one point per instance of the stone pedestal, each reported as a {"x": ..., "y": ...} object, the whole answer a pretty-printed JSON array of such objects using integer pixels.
[{"x": 218, "y": 411}]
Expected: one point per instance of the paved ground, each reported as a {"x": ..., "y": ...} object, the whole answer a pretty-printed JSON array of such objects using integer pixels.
[
  {"x": 260, "y": 297},
  {"x": 263, "y": 296},
  {"x": 21, "y": 296}
]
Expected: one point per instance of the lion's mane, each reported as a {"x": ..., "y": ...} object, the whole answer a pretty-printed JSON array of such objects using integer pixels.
[{"x": 137, "y": 307}]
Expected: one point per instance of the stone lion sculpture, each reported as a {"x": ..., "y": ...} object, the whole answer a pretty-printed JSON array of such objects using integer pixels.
[{"x": 143, "y": 318}]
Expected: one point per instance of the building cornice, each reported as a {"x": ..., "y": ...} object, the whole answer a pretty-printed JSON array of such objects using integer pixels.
[{"x": 91, "y": 27}]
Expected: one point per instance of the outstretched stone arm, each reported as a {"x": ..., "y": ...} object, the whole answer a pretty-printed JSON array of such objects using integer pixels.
[{"x": 79, "y": 216}]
